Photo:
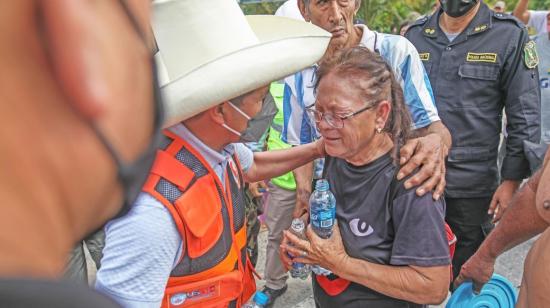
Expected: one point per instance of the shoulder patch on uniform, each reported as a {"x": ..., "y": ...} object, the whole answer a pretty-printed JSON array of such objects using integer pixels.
[
  {"x": 481, "y": 57},
  {"x": 509, "y": 17},
  {"x": 425, "y": 56},
  {"x": 530, "y": 56}
]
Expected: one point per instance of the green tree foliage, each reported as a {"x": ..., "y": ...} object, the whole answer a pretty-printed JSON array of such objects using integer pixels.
[
  {"x": 268, "y": 8},
  {"x": 539, "y": 4},
  {"x": 388, "y": 15}
]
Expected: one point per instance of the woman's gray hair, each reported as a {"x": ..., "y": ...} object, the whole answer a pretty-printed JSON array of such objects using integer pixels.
[{"x": 374, "y": 77}]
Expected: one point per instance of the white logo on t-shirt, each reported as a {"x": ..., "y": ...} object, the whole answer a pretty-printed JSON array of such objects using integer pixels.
[{"x": 360, "y": 230}]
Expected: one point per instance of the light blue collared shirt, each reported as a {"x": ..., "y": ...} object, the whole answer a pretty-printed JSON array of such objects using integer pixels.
[
  {"x": 143, "y": 247},
  {"x": 407, "y": 67}
]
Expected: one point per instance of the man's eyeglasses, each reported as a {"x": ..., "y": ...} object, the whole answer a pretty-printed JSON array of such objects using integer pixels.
[{"x": 334, "y": 120}]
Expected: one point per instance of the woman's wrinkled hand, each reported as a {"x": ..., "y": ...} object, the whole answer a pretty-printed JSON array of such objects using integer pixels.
[{"x": 328, "y": 253}]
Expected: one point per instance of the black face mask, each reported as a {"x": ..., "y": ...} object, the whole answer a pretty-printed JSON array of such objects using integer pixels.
[
  {"x": 457, "y": 8},
  {"x": 133, "y": 176}
]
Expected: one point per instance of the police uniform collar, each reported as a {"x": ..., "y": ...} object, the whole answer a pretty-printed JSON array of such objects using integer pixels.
[
  {"x": 431, "y": 27},
  {"x": 482, "y": 22}
]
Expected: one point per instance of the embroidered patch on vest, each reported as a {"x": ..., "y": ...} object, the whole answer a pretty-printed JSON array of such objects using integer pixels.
[
  {"x": 481, "y": 57},
  {"x": 178, "y": 299},
  {"x": 424, "y": 56},
  {"x": 198, "y": 295}
]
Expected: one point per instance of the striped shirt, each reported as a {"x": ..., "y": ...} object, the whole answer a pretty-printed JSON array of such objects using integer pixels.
[{"x": 408, "y": 69}]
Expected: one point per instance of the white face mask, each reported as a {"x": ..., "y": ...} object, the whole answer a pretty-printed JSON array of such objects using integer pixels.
[{"x": 248, "y": 118}]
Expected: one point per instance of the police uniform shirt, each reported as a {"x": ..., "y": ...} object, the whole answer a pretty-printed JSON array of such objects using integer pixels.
[
  {"x": 490, "y": 65},
  {"x": 382, "y": 222}
]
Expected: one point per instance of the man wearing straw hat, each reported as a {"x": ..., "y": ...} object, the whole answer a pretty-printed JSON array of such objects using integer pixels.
[{"x": 184, "y": 241}]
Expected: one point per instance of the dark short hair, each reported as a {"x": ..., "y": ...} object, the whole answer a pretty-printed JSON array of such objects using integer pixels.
[{"x": 237, "y": 101}]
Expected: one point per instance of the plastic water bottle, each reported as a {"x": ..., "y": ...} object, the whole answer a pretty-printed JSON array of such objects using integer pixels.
[
  {"x": 258, "y": 301},
  {"x": 322, "y": 209},
  {"x": 299, "y": 270},
  {"x": 322, "y": 213}
]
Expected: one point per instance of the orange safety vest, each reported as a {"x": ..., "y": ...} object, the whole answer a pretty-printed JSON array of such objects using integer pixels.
[{"x": 214, "y": 269}]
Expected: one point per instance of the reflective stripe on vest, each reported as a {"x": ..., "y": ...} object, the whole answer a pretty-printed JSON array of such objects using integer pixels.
[{"x": 213, "y": 270}]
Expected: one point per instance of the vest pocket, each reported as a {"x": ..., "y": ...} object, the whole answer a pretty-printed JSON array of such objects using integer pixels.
[
  {"x": 249, "y": 284},
  {"x": 202, "y": 230},
  {"x": 218, "y": 291}
]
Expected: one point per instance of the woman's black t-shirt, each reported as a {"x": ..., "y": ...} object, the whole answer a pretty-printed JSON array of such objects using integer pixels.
[{"x": 384, "y": 223}]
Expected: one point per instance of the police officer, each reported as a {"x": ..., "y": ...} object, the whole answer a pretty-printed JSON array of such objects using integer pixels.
[{"x": 480, "y": 62}]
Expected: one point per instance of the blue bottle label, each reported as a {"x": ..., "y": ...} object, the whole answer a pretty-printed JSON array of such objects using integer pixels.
[{"x": 326, "y": 223}]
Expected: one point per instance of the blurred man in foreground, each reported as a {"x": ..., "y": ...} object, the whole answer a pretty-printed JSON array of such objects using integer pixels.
[{"x": 72, "y": 157}]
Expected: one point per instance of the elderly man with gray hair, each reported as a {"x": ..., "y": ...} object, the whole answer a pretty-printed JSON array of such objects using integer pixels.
[{"x": 500, "y": 7}]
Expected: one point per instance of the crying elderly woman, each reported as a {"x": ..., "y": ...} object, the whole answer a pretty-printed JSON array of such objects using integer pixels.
[{"x": 389, "y": 247}]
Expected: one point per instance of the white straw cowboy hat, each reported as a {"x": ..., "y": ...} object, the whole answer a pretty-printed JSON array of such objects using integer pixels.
[{"x": 210, "y": 52}]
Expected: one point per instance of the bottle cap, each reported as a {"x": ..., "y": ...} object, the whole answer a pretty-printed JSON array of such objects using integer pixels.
[
  {"x": 322, "y": 185},
  {"x": 297, "y": 225},
  {"x": 497, "y": 293},
  {"x": 260, "y": 298}
]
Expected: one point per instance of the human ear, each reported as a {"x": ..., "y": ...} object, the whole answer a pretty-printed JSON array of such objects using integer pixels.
[
  {"x": 382, "y": 113},
  {"x": 216, "y": 113},
  {"x": 303, "y": 10}
]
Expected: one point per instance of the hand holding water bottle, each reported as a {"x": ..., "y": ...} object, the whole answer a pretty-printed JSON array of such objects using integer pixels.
[
  {"x": 322, "y": 215},
  {"x": 328, "y": 253},
  {"x": 322, "y": 210},
  {"x": 299, "y": 270}
]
